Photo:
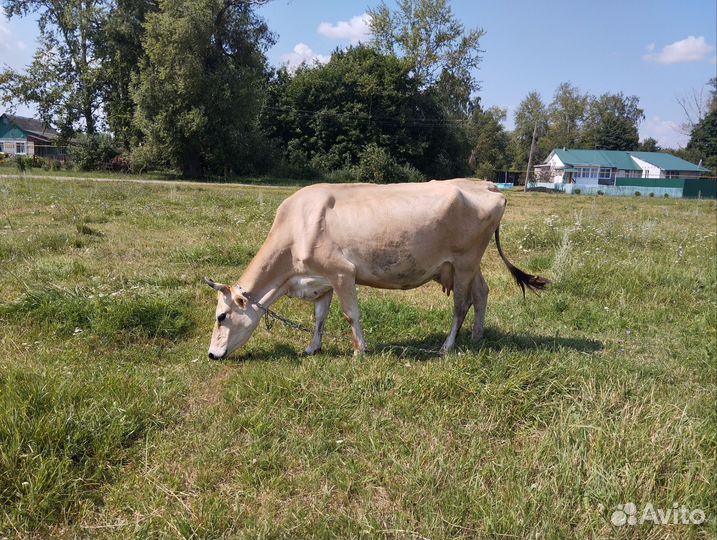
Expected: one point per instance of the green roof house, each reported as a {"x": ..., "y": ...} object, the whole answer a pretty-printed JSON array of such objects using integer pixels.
[
  {"x": 602, "y": 167},
  {"x": 28, "y": 137}
]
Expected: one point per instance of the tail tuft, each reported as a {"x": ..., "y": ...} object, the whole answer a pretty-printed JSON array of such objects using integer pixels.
[{"x": 523, "y": 279}]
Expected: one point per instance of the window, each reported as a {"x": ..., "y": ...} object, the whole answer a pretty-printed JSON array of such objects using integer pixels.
[
  {"x": 20, "y": 148},
  {"x": 2, "y": 148},
  {"x": 605, "y": 173}
]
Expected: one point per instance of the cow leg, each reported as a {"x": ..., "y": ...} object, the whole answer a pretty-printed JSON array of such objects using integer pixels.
[
  {"x": 480, "y": 301},
  {"x": 321, "y": 311},
  {"x": 461, "y": 304},
  {"x": 345, "y": 287}
]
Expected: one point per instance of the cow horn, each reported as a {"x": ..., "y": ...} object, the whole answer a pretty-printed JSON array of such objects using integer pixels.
[{"x": 217, "y": 286}]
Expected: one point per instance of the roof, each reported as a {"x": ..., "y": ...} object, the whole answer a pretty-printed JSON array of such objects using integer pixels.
[
  {"x": 668, "y": 162},
  {"x": 615, "y": 159},
  {"x": 619, "y": 159},
  {"x": 33, "y": 127}
]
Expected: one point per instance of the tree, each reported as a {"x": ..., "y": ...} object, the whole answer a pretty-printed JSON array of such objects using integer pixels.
[
  {"x": 325, "y": 116},
  {"x": 703, "y": 141},
  {"x": 649, "y": 145},
  {"x": 200, "y": 85},
  {"x": 565, "y": 116},
  {"x": 442, "y": 53},
  {"x": 62, "y": 80},
  {"x": 120, "y": 51},
  {"x": 697, "y": 104},
  {"x": 612, "y": 121},
  {"x": 530, "y": 116},
  {"x": 489, "y": 141}
]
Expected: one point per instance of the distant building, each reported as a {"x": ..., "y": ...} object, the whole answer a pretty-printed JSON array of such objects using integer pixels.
[
  {"x": 603, "y": 167},
  {"x": 28, "y": 137}
]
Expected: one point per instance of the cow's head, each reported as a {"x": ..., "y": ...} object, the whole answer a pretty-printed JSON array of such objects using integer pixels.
[{"x": 235, "y": 319}]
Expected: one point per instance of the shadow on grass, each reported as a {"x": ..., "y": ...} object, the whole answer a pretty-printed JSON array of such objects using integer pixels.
[{"x": 428, "y": 347}]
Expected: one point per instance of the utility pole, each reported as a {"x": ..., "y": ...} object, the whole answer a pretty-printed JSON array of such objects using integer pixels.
[{"x": 530, "y": 156}]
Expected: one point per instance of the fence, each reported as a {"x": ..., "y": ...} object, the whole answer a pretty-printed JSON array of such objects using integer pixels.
[
  {"x": 691, "y": 187},
  {"x": 678, "y": 188}
]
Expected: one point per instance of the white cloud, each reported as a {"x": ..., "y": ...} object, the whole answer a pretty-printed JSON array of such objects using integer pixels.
[
  {"x": 302, "y": 53},
  {"x": 8, "y": 41},
  {"x": 667, "y": 132},
  {"x": 356, "y": 30},
  {"x": 690, "y": 49}
]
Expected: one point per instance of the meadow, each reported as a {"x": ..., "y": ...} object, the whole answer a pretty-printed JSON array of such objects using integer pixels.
[{"x": 114, "y": 424}]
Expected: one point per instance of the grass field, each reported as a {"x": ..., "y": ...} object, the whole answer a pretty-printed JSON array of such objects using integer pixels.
[{"x": 113, "y": 424}]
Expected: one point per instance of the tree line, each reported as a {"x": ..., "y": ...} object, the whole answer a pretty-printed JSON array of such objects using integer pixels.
[{"x": 186, "y": 85}]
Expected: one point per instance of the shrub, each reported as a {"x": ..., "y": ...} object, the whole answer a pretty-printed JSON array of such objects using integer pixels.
[
  {"x": 144, "y": 157},
  {"x": 93, "y": 152},
  {"x": 666, "y": 195},
  {"x": 119, "y": 163},
  {"x": 345, "y": 174},
  {"x": 21, "y": 163},
  {"x": 377, "y": 165},
  {"x": 638, "y": 194},
  {"x": 36, "y": 162},
  {"x": 600, "y": 192},
  {"x": 577, "y": 191},
  {"x": 651, "y": 194}
]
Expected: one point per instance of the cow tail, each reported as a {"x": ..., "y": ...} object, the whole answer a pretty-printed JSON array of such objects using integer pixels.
[{"x": 523, "y": 279}]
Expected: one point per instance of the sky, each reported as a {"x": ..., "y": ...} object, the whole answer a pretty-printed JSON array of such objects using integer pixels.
[{"x": 658, "y": 50}]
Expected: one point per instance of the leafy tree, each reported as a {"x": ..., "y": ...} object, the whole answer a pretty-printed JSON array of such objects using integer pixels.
[
  {"x": 199, "y": 87},
  {"x": 703, "y": 141},
  {"x": 612, "y": 121},
  {"x": 566, "y": 114},
  {"x": 442, "y": 53},
  {"x": 326, "y": 115},
  {"x": 489, "y": 141},
  {"x": 530, "y": 115},
  {"x": 120, "y": 51},
  {"x": 649, "y": 145},
  {"x": 62, "y": 81}
]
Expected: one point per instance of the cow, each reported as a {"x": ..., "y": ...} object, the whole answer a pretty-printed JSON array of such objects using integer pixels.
[{"x": 329, "y": 238}]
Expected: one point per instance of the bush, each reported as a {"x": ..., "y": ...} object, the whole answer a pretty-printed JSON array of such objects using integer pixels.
[
  {"x": 638, "y": 194},
  {"x": 651, "y": 194},
  {"x": 600, "y": 192},
  {"x": 378, "y": 166},
  {"x": 345, "y": 174},
  {"x": 666, "y": 195},
  {"x": 577, "y": 191},
  {"x": 144, "y": 158},
  {"x": 93, "y": 152},
  {"x": 119, "y": 163},
  {"x": 21, "y": 163}
]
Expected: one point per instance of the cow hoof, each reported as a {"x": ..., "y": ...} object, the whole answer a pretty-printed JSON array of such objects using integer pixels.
[{"x": 310, "y": 352}]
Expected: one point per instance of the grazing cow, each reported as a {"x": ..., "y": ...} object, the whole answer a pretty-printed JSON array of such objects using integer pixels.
[{"x": 328, "y": 238}]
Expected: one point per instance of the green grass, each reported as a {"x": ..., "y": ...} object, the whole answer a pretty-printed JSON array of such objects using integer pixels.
[
  {"x": 10, "y": 170},
  {"x": 113, "y": 424}
]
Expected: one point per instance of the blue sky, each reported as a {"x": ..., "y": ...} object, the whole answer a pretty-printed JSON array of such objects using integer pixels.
[{"x": 657, "y": 49}]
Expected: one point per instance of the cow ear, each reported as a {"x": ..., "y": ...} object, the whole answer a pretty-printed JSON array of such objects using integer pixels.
[
  {"x": 240, "y": 300},
  {"x": 219, "y": 287}
]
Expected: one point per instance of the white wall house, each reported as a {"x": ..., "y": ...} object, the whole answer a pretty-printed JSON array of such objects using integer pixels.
[{"x": 602, "y": 167}]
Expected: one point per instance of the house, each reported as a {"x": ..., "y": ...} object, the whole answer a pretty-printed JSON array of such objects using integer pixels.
[
  {"x": 606, "y": 167},
  {"x": 23, "y": 136}
]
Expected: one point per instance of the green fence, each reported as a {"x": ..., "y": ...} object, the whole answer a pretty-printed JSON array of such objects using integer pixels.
[{"x": 691, "y": 187}]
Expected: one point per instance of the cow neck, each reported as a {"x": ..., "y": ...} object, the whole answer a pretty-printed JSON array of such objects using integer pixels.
[{"x": 267, "y": 274}]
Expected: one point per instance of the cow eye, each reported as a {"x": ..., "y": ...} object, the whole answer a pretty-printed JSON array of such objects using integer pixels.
[{"x": 221, "y": 318}]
